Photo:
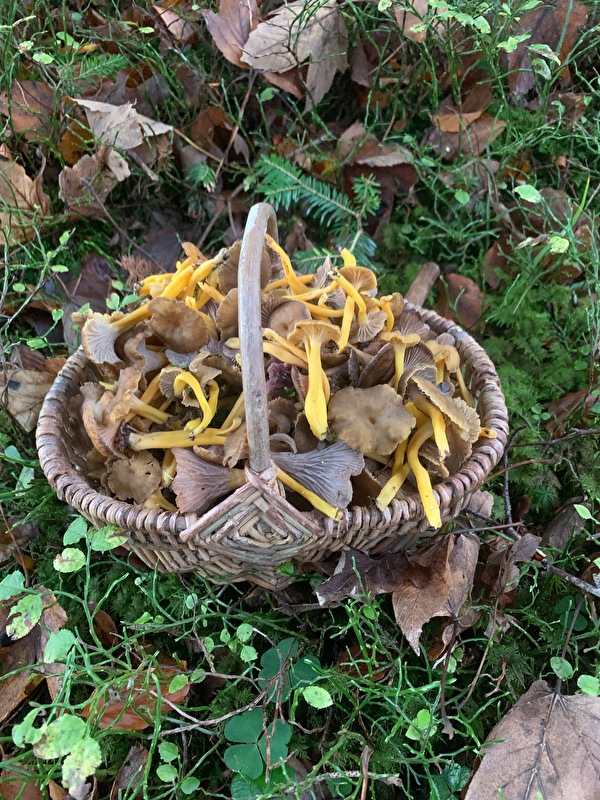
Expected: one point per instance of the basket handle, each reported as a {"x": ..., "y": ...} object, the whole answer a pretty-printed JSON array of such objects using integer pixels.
[{"x": 261, "y": 220}]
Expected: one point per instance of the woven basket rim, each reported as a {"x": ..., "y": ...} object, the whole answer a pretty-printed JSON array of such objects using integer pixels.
[{"x": 51, "y": 445}]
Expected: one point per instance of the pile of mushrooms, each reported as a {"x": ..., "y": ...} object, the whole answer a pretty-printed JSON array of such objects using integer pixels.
[{"x": 366, "y": 403}]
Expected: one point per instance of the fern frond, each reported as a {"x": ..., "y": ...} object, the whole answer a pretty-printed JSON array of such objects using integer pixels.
[{"x": 282, "y": 184}]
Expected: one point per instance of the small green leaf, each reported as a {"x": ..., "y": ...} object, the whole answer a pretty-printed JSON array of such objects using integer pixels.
[
  {"x": 419, "y": 726},
  {"x": 317, "y": 696},
  {"x": 558, "y": 244},
  {"x": 24, "y": 616},
  {"x": 561, "y": 668},
  {"x": 244, "y": 758},
  {"x": 589, "y": 685},
  {"x": 167, "y": 773},
  {"x": 60, "y": 737},
  {"x": 107, "y": 538},
  {"x": 462, "y": 197},
  {"x": 383, "y": 5},
  {"x": 245, "y": 727},
  {"x": 280, "y": 733},
  {"x": 244, "y": 632},
  {"x": 58, "y": 645},
  {"x": 528, "y": 193},
  {"x": 12, "y": 585},
  {"x": 82, "y": 762},
  {"x": 178, "y": 683},
  {"x": 248, "y": 654},
  {"x": 76, "y": 531},
  {"x": 168, "y": 751},
  {"x": 25, "y": 732},
  {"x": 583, "y": 512},
  {"x": 189, "y": 785},
  {"x": 70, "y": 560},
  {"x": 43, "y": 58}
]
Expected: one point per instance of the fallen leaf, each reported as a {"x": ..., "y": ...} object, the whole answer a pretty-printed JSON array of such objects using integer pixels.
[
  {"x": 231, "y": 26},
  {"x": 17, "y": 683},
  {"x": 471, "y": 140},
  {"x": 462, "y": 300},
  {"x": 548, "y": 745},
  {"x": 574, "y": 405},
  {"x": 104, "y": 626},
  {"x": 15, "y": 786},
  {"x": 409, "y": 15},
  {"x": 85, "y": 187},
  {"x": 357, "y": 573},
  {"x": 15, "y": 536},
  {"x": 449, "y": 567},
  {"x": 120, "y": 126},
  {"x": 501, "y": 574},
  {"x": 565, "y": 523},
  {"x": 555, "y": 25},
  {"x": 133, "y": 706},
  {"x": 131, "y": 773},
  {"x": 22, "y": 392},
  {"x": 29, "y": 109},
  {"x": 481, "y": 502},
  {"x": 22, "y": 201},
  {"x": 290, "y": 37},
  {"x": 181, "y": 32}
]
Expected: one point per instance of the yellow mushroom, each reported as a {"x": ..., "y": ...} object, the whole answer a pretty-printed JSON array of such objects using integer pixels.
[
  {"x": 313, "y": 499},
  {"x": 401, "y": 342},
  {"x": 430, "y": 506},
  {"x": 293, "y": 280},
  {"x": 313, "y": 335}
]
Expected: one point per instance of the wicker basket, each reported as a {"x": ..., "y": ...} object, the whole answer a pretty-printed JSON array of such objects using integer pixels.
[{"x": 255, "y": 530}]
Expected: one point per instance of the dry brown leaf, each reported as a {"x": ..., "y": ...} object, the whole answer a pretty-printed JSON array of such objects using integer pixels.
[
  {"x": 85, "y": 187},
  {"x": 450, "y": 567},
  {"x": 548, "y": 745},
  {"x": 472, "y": 140},
  {"x": 231, "y": 27},
  {"x": 182, "y": 32},
  {"x": 291, "y": 37},
  {"x": 120, "y": 126},
  {"x": 22, "y": 392},
  {"x": 14, "y": 537},
  {"x": 131, "y": 773},
  {"x": 29, "y": 109},
  {"x": 501, "y": 573},
  {"x": 462, "y": 300},
  {"x": 15, "y": 786},
  {"x": 22, "y": 200},
  {"x": 410, "y": 14},
  {"x": 553, "y": 24},
  {"x": 565, "y": 523},
  {"x": 133, "y": 706},
  {"x": 29, "y": 650},
  {"x": 357, "y": 573}
]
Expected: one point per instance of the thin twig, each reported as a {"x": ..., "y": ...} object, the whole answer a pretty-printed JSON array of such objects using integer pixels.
[
  {"x": 567, "y": 640},
  {"x": 549, "y": 442},
  {"x": 553, "y": 460},
  {"x": 236, "y": 128},
  {"x": 217, "y": 215}
]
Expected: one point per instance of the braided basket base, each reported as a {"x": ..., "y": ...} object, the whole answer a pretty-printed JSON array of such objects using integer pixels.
[{"x": 255, "y": 530}]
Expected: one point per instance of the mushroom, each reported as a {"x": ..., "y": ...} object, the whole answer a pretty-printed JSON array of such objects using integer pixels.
[
  {"x": 371, "y": 420},
  {"x": 178, "y": 326},
  {"x": 324, "y": 472},
  {"x": 293, "y": 281},
  {"x": 418, "y": 360},
  {"x": 139, "y": 355},
  {"x": 368, "y": 330},
  {"x": 227, "y": 274},
  {"x": 134, "y": 478},
  {"x": 393, "y": 485},
  {"x": 430, "y": 506},
  {"x": 438, "y": 405},
  {"x": 400, "y": 342},
  {"x": 198, "y": 484},
  {"x": 284, "y": 316},
  {"x": 354, "y": 280},
  {"x": 101, "y": 433},
  {"x": 313, "y": 335},
  {"x": 165, "y": 440},
  {"x": 379, "y": 370},
  {"x": 446, "y": 358}
]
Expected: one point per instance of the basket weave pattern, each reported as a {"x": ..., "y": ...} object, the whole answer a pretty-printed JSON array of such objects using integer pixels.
[{"x": 254, "y": 530}]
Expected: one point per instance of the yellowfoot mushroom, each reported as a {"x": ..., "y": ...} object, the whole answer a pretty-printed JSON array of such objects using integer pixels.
[
  {"x": 178, "y": 326},
  {"x": 134, "y": 478},
  {"x": 371, "y": 420},
  {"x": 313, "y": 335},
  {"x": 198, "y": 483}
]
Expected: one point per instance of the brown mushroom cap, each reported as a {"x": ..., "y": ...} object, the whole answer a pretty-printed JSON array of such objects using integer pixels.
[
  {"x": 116, "y": 404},
  {"x": 455, "y": 409},
  {"x": 227, "y": 275},
  {"x": 360, "y": 277},
  {"x": 178, "y": 325},
  {"x": 379, "y": 370},
  {"x": 410, "y": 322},
  {"x": 367, "y": 330},
  {"x": 227, "y": 315},
  {"x": 285, "y": 315},
  {"x": 101, "y": 434},
  {"x": 370, "y": 420},
  {"x": 139, "y": 355},
  {"x": 98, "y": 337},
  {"x": 418, "y": 360},
  {"x": 198, "y": 484},
  {"x": 134, "y": 478},
  {"x": 325, "y": 472}
]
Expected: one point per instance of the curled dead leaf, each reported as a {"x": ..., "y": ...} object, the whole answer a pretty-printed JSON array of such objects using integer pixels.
[{"x": 22, "y": 201}]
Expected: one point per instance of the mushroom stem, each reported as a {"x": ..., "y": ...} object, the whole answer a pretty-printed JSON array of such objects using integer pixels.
[
  {"x": 141, "y": 409},
  {"x": 315, "y": 404},
  {"x": 399, "y": 350},
  {"x": 323, "y": 311},
  {"x": 236, "y": 411},
  {"x": 213, "y": 400},
  {"x": 313, "y": 294},
  {"x": 296, "y": 285},
  {"x": 169, "y": 468},
  {"x": 156, "y": 499},
  {"x": 202, "y": 272},
  {"x": 347, "y": 257},
  {"x": 462, "y": 386},
  {"x": 164, "y": 440},
  {"x": 431, "y": 508},
  {"x": 280, "y": 283},
  {"x": 355, "y": 295},
  {"x": 348, "y": 316},
  {"x": 185, "y": 378},
  {"x": 283, "y": 354},
  {"x": 438, "y": 422},
  {"x": 418, "y": 415},
  {"x": 273, "y": 336},
  {"x": 211, "y": 291},
  {"x": 312, "y": 498},
  {"x": 389, "y": 314},
  {"x": 151, "y": 390}
]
